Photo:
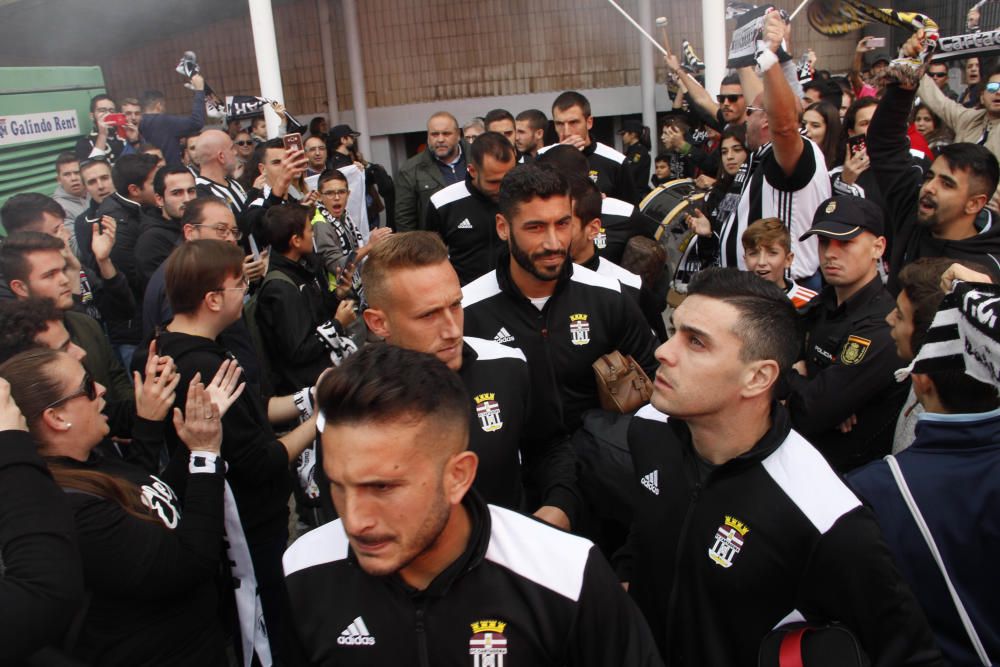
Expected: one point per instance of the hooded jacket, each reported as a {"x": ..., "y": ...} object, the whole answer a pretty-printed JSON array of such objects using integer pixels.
[
  {"x": 156, "y": 241},
  {"x": 953, "y": 472},
  {"x": 900, "y": 181}
]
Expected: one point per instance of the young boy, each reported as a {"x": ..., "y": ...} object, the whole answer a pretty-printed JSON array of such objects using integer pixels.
[
  {"x": 767, "y": 251},
  {"x": 661, "y": 170}
]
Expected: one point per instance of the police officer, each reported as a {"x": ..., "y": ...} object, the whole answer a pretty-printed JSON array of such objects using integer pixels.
[
  {"x": 637, "y": 160},
  {"x": 844, "y": 397}
]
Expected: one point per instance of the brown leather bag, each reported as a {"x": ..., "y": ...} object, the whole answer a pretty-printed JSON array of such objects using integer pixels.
[{"x": 622, "y": 385}]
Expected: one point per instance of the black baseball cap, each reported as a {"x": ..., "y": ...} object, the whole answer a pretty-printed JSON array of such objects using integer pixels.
[
  {"x": 630, "y": 125},
  {"x": 340, "y": 131},
  {"x": 846, "y": 217}
]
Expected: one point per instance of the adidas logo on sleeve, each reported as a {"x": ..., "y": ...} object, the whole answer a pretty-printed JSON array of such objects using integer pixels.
[
  {"x": 652, "y": 482},
  {"x": 503, "y": 336},
  {"x": 356, "y": 634}
]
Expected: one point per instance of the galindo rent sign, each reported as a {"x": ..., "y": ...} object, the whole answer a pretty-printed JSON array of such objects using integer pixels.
[{"x": 38, "y": 127}]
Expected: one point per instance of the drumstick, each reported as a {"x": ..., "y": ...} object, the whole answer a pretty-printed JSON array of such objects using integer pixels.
[
  {"x": 797, "y": 10},
  {"x": 661, "y": 23},
  {"x": 639, "y": 27}
]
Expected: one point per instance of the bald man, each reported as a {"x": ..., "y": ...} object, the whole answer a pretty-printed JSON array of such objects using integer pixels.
[
  {"x": 441, "y": 164},
  {"x": 215, "y": 154}
]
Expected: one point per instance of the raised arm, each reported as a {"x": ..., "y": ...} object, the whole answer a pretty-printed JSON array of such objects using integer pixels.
[{"x": 780, "y": 103}]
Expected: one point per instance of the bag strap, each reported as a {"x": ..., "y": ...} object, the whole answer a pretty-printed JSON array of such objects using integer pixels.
[
  {"x": 904, "y": 490},
  {"x": 790, "y": 650}
]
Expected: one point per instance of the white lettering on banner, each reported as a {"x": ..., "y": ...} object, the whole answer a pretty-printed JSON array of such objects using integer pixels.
[{"x": 38, "y": 127}]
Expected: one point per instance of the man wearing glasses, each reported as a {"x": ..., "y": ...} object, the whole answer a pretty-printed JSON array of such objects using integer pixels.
[
  {"x": 215, "y": 154},
  {"x": 938, "y": 72},
  {"x": 103, "y": 141},
  {"x": 728, "y": 108},
  {"x": 316, "y": 155}
]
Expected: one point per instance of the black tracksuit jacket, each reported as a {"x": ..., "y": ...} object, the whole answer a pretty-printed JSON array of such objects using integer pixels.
[
  {"x": 718, "y": 556},
  {"x": 543, "y": 597},
  {"x": 620, "y": 221},
  {"x": 466, "y": 219},
  {"x": 587, "y": 316}
]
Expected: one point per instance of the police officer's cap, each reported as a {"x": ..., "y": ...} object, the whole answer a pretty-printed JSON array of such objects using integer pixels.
[{"x": 846, "y": 217}]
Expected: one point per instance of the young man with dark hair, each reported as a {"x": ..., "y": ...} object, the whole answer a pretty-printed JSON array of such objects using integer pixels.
[
  {"x": 414, "y": 542},
  {"x": 562, "y": 316},
  {"x": 174, "y": 188},
  {"x": 938, "y": 214},
  {"x": 206, "y": 285},
  {"x": 415, "y": 302},
  {"x": 573, "y": 122},
  {"x": 465, "y": 213},
  {"x": 301, "y": 321},
  {"x": 529, "y": 133},
  {"x": 843, "y": 395},
  {"x": 70, "y": 193},
  {"x": 103, "y": 141},
  {"x": 164, "y": 130},
  {"x": 420, "y": 177},
  {"x": 341, "y": 144},
  {"x": 741, "y": 526},
  {"x": 951, "y": 470},
  {"x": 501, "y": 121}
]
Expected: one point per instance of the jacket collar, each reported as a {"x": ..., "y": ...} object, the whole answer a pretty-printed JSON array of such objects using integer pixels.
[
  {"x": 962, "y": 431},
  {"x": 509, "y": 287},
  {"x": 781, "y": 426},
  {"x": 862, "y": 296},
  {"x": 133, "y": 206}
]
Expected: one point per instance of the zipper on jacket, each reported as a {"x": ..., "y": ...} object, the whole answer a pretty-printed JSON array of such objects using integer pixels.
[
  {"x": 425, "y": 660},
  {"x": 681, "y": 541}
]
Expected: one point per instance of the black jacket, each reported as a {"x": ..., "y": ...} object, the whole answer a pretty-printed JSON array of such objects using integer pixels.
[
  {"x": 850, "y": 359},
  {"x": 719, "y": 555},
  {"x": 131, "y": 219},
  {"x": 156, "y": 241},
  {"x": 258, "y": 462},
  {"x": 608, "y": 169},
  {"x": 466, "y": 219},
  {"x": 296, "y": 324},
  {"x": 42, "y": 582},
  {"x": 900, "y": 181},
  {"x": 586, "y": 317},
  {"x": 418, "y": 179},
  {"x": 637, "y": 165},
  {"x": 153, "y": 582},
  {"x": 521, "y": 589},
  {"x": 620, "y": 221}
]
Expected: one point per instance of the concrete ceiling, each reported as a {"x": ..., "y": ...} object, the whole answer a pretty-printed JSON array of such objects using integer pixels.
[{"x": 72, "y": 32}]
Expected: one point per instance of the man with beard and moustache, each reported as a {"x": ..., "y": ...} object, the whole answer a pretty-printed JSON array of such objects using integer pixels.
[
  {"x": 215, "y": 154},
  {"x": 419, "y": 568},
  {"x": 415, "y": 302},
  {"x": 842, "y": 395},
  {"x": 940, "y": 214},
  {"x": 341, "y": 143},
  {"x": 529, "y": 133},
  {"x": 174, "y": 188},
  {"x": 465, "y": 213},
  {"x": 730, "y": 105},
  {"x": 440, "y": 164},
  {"x": 562, "y": 316}
]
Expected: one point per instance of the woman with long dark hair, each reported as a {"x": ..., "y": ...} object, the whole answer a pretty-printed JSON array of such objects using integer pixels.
[
  {"x": 149, "y": 567},
  {"x": 821, "y": 124}
]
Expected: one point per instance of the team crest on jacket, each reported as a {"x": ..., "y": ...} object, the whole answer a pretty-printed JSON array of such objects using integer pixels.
[
  {"x": 728, "y": 542},
  {"x": 593, "y": 175},
  {"x": 579, "y": 327},
  {"x": 601, "y": 240},
  {"x": 488, "y": 411},
  {"x": 854, "y": 350},
  {"x": 488, "y": 646}
]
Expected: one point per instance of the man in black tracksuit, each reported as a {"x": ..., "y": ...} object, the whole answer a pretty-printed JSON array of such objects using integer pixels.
[
  {"x": 419, "y": 570},
  {"x": 942, "y": 215},
  {"x": 415, "y": 303},
  {"x": 563, "y": 316},
  {"x": 741, "y": 526},
  {"x": 465, "y": 213}
]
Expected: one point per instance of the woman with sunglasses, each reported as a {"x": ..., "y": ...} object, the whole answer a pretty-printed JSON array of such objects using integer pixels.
[{"x": 149, "y": 567}]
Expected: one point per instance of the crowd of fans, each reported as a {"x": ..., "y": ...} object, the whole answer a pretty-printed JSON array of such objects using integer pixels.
[{"x": 198, "y": 325}]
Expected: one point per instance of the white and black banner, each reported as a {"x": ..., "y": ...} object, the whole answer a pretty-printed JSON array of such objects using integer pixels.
[
  {"x": 959, "y": 47},
  {"x": 244, "y": 106}
]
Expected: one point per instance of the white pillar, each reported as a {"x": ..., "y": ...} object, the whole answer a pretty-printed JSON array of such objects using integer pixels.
[
  {"x": 647, "y": 72},
  {"x": 357, "y": 68},
  {"x": 713, "y": 27},
  {"x": 265, "y": 47},
  {"x": 329, "y": 75}
]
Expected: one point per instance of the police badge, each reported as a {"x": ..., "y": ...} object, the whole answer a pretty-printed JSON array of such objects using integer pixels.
[{"x": 854, "y": 350}]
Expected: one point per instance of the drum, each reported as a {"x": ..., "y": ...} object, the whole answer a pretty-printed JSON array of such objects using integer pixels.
[{"x": 669, "y": 204}]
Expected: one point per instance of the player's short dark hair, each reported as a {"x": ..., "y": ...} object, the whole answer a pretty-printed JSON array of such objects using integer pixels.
[
  {"x": 497, "y": 114},
  {"x": 151, "y": 97},
  {"x": 566, "y": 160},
  {"x": 160, "y": 180},
  {"x": 384, "y": 383},
  {"x": 492, "y": 144},
  {"x": 527, "y": 181},
  {"x": 26, "y": 208},
  {"x": 281, "y": 223},
  {"x": 731, "y": 80},
  {"x": 18, "y": 246},
  {"x": 330, "y": 175},
  {"x": 537, "y": 120},
  {"x": 132, "y": 169},
  {"x": 586, "y": 196},
  {"x": 984, "y": 172},
  {"x": 767, "y": 322},
  {"x": 23, "y": 319},
  {"x": 571, "y": 99}
]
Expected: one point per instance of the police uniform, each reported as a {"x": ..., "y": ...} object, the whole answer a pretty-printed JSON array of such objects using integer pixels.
[
  {"x": 850, "y": 356},
  {"x": 637, "y": 164}
]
